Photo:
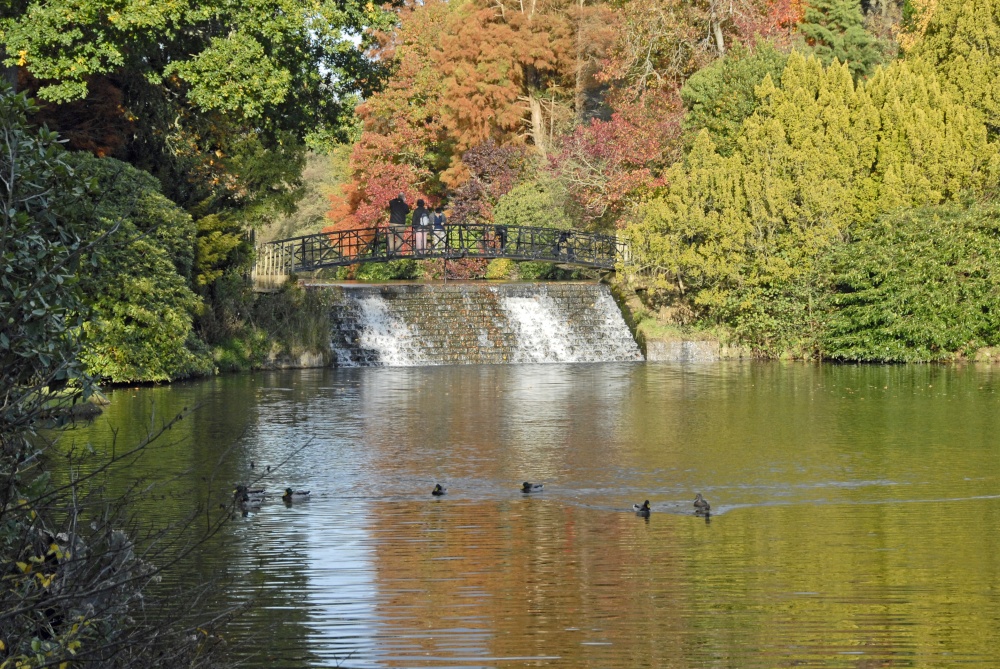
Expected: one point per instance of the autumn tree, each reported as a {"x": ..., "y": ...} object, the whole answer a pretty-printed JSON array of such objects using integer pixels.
[
  {"x": 494, "y": 171},
  {"x": 467, "y": 73},
  {"x": 606, "y": 165},
  {"x": 660, "y": 43}
]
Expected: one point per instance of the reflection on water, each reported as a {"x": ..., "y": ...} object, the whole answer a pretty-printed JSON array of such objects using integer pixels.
[{"x": 853, "y": 513}]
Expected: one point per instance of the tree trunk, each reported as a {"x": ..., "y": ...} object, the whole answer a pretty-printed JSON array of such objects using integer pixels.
[
  {"x": 537, "y": 124},
  {"x": 579, "y": 100},
  {"x": 720, "y": 43},
  {"x": 8, "y": 74}
]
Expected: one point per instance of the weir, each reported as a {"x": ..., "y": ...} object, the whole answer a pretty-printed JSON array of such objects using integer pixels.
[{"x": 421, "y": 324}]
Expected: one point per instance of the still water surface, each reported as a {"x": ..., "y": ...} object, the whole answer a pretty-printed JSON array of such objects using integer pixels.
[{"x": 855, "y": 513}]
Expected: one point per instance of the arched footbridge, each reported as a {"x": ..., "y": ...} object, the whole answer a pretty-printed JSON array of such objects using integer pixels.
[{"x": 277, "y": 259}]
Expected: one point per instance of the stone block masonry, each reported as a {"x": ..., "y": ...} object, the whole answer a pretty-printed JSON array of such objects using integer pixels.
[{"x": 475, "y": 323}]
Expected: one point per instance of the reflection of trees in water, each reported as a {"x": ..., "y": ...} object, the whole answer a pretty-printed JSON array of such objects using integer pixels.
[{"x": 836, "y": 529}]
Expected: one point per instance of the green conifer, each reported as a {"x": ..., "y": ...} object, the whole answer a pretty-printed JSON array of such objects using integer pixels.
[
  {"x": 740, "y": 236},
  {"x": 835, "y": 30},
  {"x": 962, "y": 42}
]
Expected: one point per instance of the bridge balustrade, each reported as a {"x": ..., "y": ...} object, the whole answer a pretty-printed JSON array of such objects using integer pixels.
[{"x": 276, "y": 260}]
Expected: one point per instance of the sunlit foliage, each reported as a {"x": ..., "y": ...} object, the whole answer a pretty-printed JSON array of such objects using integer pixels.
[{"x": 739, "y": 236}]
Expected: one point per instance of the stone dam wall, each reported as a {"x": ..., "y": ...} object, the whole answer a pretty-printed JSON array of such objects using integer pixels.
[{"x": 474, "y": 323}]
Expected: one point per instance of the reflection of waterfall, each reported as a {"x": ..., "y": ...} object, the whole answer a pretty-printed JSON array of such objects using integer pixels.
[{"x": 407, "y": 325}]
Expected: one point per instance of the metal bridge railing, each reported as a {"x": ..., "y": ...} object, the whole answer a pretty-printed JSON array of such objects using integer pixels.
[{"x": 276, "y": 260}]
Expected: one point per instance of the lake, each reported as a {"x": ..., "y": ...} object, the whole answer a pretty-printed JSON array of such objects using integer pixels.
[{"x": 854, "y": 513}]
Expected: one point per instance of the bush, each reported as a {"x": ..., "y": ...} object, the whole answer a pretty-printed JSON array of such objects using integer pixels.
[
  {"x": 501, "y": 268},
  {"x": 388, "y": 271},
  {"x": 538, "y": 203},
  {"x": 142, "y": 308},
  {"x": 74, "y": 587},
  {"x": 918, "y": 286},
  {"x": 242, "y": 353}
]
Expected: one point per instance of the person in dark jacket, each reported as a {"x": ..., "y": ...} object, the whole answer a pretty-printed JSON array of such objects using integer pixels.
[
  {"x": 421, "y": 225},
  {"x": 398, "y": 209},
  {"x": 437, "y": 221}
]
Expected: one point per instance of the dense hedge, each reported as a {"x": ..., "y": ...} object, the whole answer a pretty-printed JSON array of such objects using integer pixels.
[{"x": 921, "y": 285}]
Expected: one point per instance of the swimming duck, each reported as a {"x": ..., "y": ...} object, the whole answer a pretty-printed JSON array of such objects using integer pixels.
[
  {"x": 531, "y": 487},
  {"x": 701, "y": 505},
  {"x": 439, "y": 490},
  {"x": 642, "y": 510},
  {"x": 242, "y": 492},
  {"x": 295, "y": 495},
  {"x": 247, "y": 500}
]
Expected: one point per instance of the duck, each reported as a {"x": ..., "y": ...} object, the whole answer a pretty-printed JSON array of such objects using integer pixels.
[
  {"x": 247, "y": 500},
  {"x": 642, "y": 510},
  {"x": 701, "y": 505},
  {"x": 531, "y": 487},
  {"x": 295, "y": 495},
  {"x": 439, "y": 490},
  {"x": 243, "y": 492}
]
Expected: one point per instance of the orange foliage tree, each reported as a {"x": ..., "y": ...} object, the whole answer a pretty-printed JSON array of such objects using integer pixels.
[
  {"x": 466, "y": 72},
  {"x": 658, "y": 44},
  {"x": 592, "y": 86}
]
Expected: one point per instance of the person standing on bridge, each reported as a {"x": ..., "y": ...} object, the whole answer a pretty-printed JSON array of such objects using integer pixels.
[
  {"x": 438, "y": 220},
  {"x": 421, "y": 224},
  {"x": 398, "y": 209}
]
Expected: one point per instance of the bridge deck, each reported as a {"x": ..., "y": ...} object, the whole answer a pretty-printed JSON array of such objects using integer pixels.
[{"x": 349, "y": 247}]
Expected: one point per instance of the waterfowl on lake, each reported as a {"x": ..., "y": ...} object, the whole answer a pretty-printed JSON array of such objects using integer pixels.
[
  {"x": 295, "y": 495},
  {"x": 531, "y": 487},
  {"x": 439, "y": 490},
  {"x": 242, "y": 492},
  {"x": 701, "y": 505},
  {"x": 246, "y": 499},
  {"x": 642, "y": 510}
]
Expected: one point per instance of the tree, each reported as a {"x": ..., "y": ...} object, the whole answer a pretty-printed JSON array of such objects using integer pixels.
[
  {"x": 661, "y": 43},
  {"x": 213, "y": 98},
  {"x": 718, "y": 98},
  {"x": 606, "y": 165},
  {"x": 739, "y": 237},
  {"x": 960, "y": 40},
  {"x": 494, "y": 172},
  {"x": 835, "y": 29},
  {"x": 467, "y": 73}
]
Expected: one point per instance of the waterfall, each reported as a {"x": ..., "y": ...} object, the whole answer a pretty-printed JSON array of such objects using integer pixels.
[{"x": 422, "y": 324}]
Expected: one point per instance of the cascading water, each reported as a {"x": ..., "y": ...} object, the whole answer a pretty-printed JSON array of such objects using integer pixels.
[{"x": 420, "y": 324}]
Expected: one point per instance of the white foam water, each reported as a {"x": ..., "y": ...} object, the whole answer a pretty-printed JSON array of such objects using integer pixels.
[
  {"x": 542, "y": 333},
  {"x": 435, "y": 325},
  {"x": 395, "y": 343}
]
